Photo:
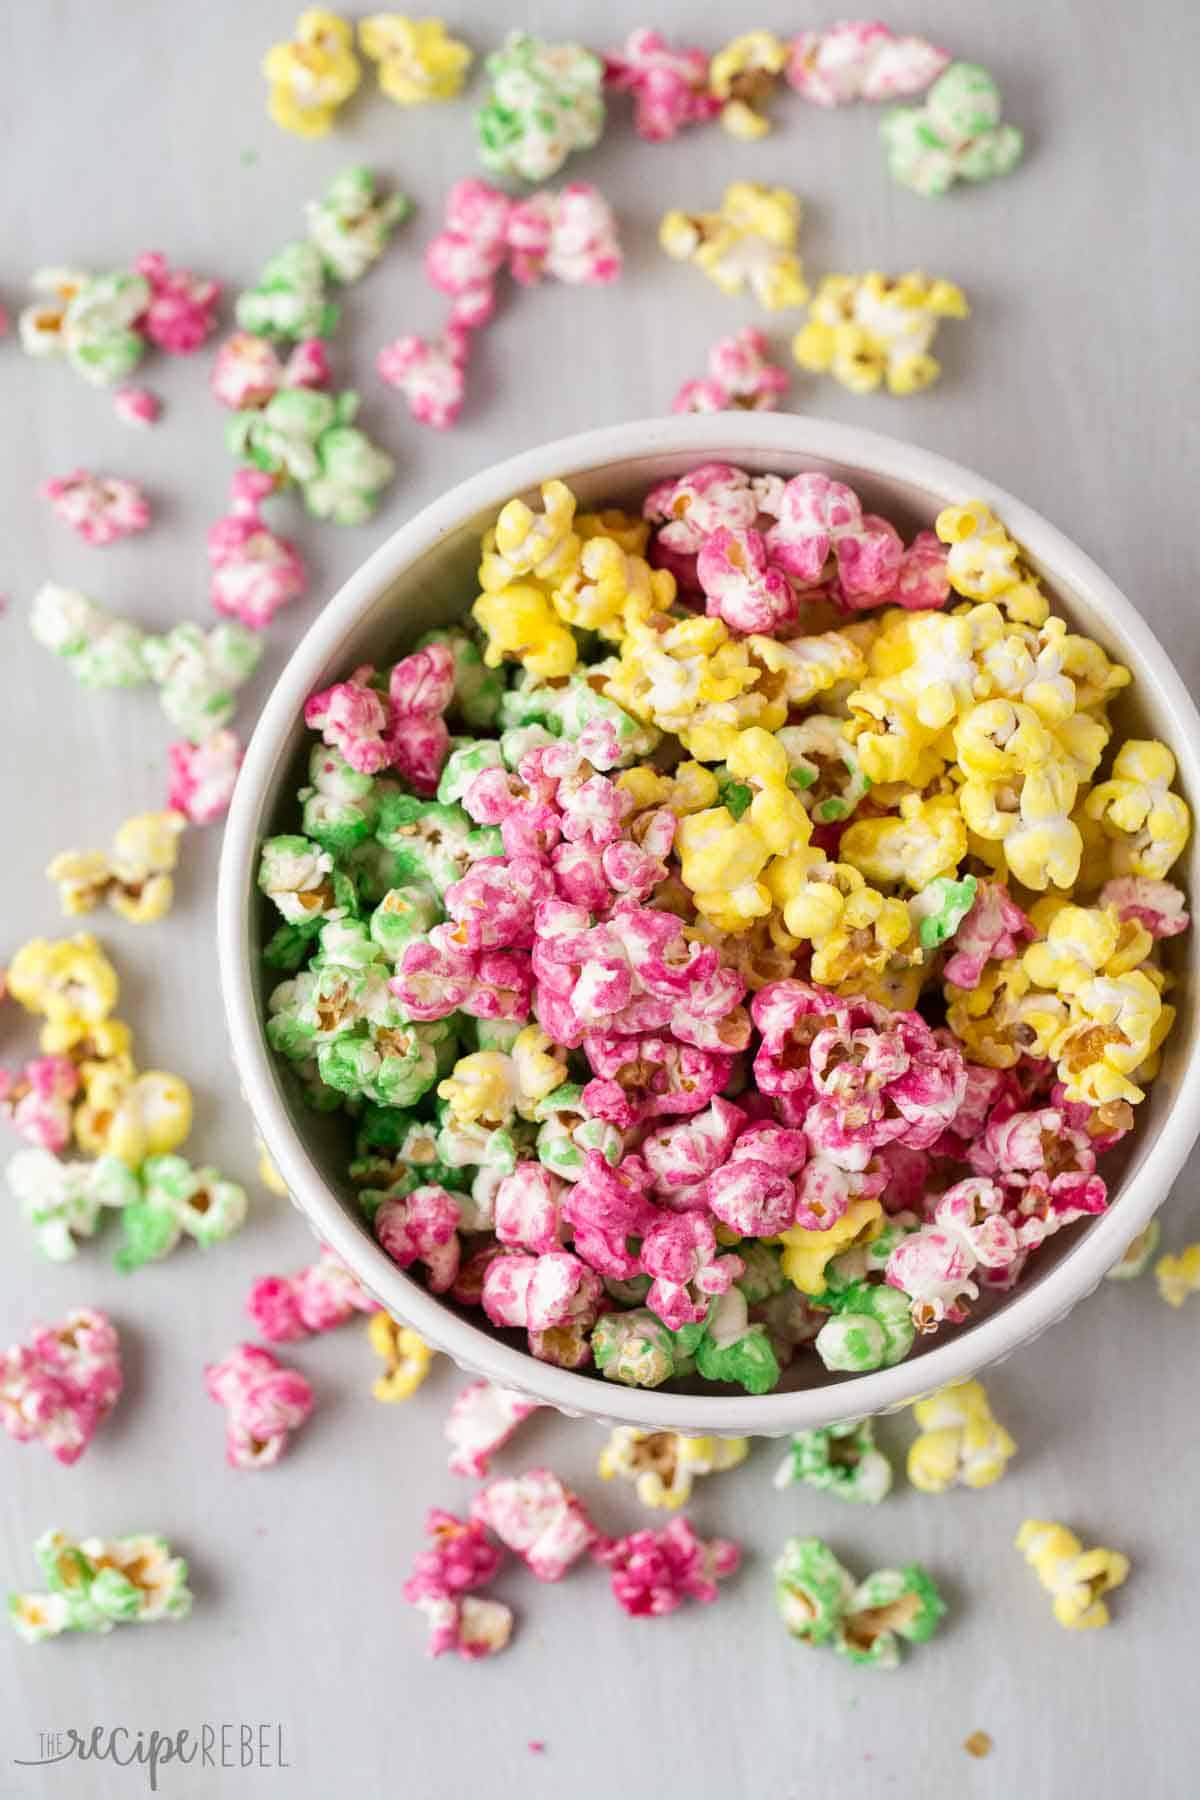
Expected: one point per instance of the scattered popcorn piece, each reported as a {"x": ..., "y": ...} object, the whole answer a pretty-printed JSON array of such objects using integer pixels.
[
  {"x": 1077, "y": 1578},
  {"x": 741, "y": 378},
  {"x": 101, "y": 508},
  {"x": 841, "y": 1460},
  {"x": 861, "y": 61},
  {"x": 61, "y": 1383},
  {"x": 202, "y": 776},
  {"x": 418, "y": 60},
  {"x": 749, "y": 243},
  {"x": 820, "y": 1603},
  {"x": 265, "y": 1402},
  {"x": 539, "y": 1518},
  {"x": 1178, "y": 1276},
  {"x": 961, "y": 1444},
  {"x": 311, "y": 77},
  {"x": 663, "y": 1465},
  {"x": 134, "y": 877},
  {"x": 955, "y": 136},
  {"x": 655, "y": 1572},
  {"x": 407, "y": 1358},
  {"x": 97, "y": 1583},
  {"x": 481, "y": 1421},
  {"x": 871, "y": 330},
  {"x": 137, "y": 406},
  {"x": 742, "y": 77},
  {"x": 545, "y": 101}
]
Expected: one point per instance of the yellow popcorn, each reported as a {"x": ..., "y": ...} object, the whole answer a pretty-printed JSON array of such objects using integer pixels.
[
  {"x": 689, "y": 788},
  {"x": 1079, "y": 942},
  {"x": 760, "y": 953},
  {"x": 866, "y": 330},
  {"x": 928, "y": 839},
  {"x": 889, "y": 740},
  {"x": 776, "y": 811},
  {"x": 721, "y": 859},
  {"x": 1109, "y": 1033},
  {"x": 608, "y": 589},
  {"x": 869, "y": 934},
  {"x": 688, "y": 676},
  {"x": 527, "y": 543},
  {"x": 629, "y": 530},
  {"x": 489, "y": 1086},
  {"x": 985, "y": 564},
  {"x": 1003, "y": 1018},
  {"x": 311, "y": 77},
  {"x": 132, "y": 1115},
  {"x": 70, "y": 981},
  {"x": 406, "y": 1356},
  {"x": 742, "y": 75},
  {"x": 803, "y": 667},
  {"x": 1074, "y": 1576},
  {"x": 1178, "y": 1276},
  {"x": 1000, "y": 738},
  {"x": 418, "y": 60},
  {"x": 1052, "y": 670},
  {"x": 539, "y": 1065},
  {"x": 749, "y": 243},
  {"x": 807, "y": 1254},
  {"x": 811, "y": 892},
  {"x": 663, "y": 1465},
  {"x": 87, "y": 1042},
  {"x": 521, "y": 625},
  {"x": 941, "y": 677},
  {"x": 1030, "y": 814},
  {"x": 1149, "y": 825},
  {"x": 961, "y": 1443},
  {"x": 134, "y": 876}
]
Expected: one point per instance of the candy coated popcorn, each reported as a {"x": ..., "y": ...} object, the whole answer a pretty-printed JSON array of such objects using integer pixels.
[
  {"x": 481, "y": 1421},
  {"x": 1178, "y": 1276},
  {"x": 1077, "y": 1578},
  {"x": 312, "y": 76},
  {"x": 670, "y": 87},
  {"x": 247, "y": 370},
  {"x": 461, "y": 1558},
  {"x": 264, "y": 1400},
  {"x": 956, "y": 135},
  {"x": 742, "y": 77},
  {"x": 134, "y": 876},
  {"x": 869, "y": 330},
  {"x": 351, "y": 224},
  {"x": 177, "y": 1200},
  {"x": 861, "y": 61},
  {"x": 101, "y": 326},
  {"x": 664, "y": 1464},
  {"x": 464, "y": 259},
  {"x": 841, "y": 1460},
  {"x": 1158, "y": 905},
  {"x": 137, "y": 406},
  {"x": 430, "y": 375},
  {"x": 545, "y": 101},
  {"x": 406, "y": 1356},
  {"x": 471, "y": 1626},
  {"x": 198, "y": 674},
  {"x": 41, "y": 324},
  {"x": 97, "y": 1583},
  {"x": 961, "y": 1444},
  {"x": 741, "y": 378},
  {"x": 870, "y": 1328},
  {"x": 654, "y": 1572},
  {"x": 254, "y": 571},
  {"x": 181, "y": 315},
  {"x": 819, "y": 1602},
  {"x": 38, "y": 1102},
  {"x": 1149, "y": 825},
  {"x": 101, "y": 508},
  {"x": 750, "y": 243},
  {"x": 991, "y": 930},
  {"x": 418, "y": 60},
  {"x": 66, "y": 980},
  {"x": 316, "y": 1298},
  {"x": 539, "y": 1519},
  {"x": 570, "y": 235},
  {"x": 61, "y": 1383},
  {"x": 100, "y": 651},
  {"x": 289, "y": 302}
]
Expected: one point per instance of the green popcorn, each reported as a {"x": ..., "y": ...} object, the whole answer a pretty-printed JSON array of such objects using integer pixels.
[
  {"x": 98, "y": 327},
  {"x": 62, "y": 1201},
  {"x": 812, "y": 1590},
  {"x": 340, "y": 805},
  {"x": 346, "y": 944},
  {"x": 467, "y": 759},
  {"x": 393, "y": 1066},
  {"x": 871, "y": 1328},
  {"x": 178, "y": 1200},
  {"x": 579, "y": 704},
  {"x": 315, "y": 1092},
  {"x": 403, "y": 914},
  {"x": 431, "y": 842},
  {"x": 100, "y": 651},
  {"x": 384, "y": 1128},
  {"x": 351, "y": 473},
  {"x": 546, "y": 100},
  {"x": 762, "y": 1276},
  {"x": 477, "y": 689},
  {"x": 823, "y": 768},
  {"x": 287, "y": 949},
  {"x": 289, "y": 301},
  {"x": 730, "y": 1348},
  {"x": 351, "y": 225},
  {"x": 299, "y": 877},
  {"x": 282, "y": 437},
  {"x": 96, "y": 1584},
  {"x": 289, "y": 1028},
  {"x": 342, "y": 1001},
  {"x": 486, "y": 1146},
  {"x": 940, "y": 908},
  {"x": 373, "y": 870},
  {"x": 841, "y": 1460},
  {"x": 566, "y": 1132},
  {"x": 889, "y": 1605},
  {"x": 519, "y": 740},
  {"x": 955, "y": 135},
  {"x": 199, "y": 672},
  {"x": 634, "y": 1348}
]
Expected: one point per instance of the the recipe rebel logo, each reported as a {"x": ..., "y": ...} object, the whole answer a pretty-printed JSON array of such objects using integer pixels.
[{"x": 241, "y": 1745}]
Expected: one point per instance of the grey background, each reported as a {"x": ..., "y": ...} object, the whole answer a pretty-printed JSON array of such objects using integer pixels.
[{"x": 131, "y": 126}]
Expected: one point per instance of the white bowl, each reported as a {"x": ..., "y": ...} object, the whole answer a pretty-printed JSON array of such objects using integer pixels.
[{"x": 425, "y": 576}]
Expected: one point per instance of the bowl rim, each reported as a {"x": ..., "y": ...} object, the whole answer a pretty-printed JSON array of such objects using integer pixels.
[{"x": 695, "y": 437}]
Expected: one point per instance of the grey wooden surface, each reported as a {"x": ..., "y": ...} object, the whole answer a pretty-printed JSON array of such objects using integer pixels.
[{"x": 133, "y": 126}]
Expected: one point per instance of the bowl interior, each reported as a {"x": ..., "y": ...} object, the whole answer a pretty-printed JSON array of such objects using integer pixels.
[{"x": 437, "y": 588}]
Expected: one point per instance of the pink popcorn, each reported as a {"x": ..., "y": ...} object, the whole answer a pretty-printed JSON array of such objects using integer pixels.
[
  {"x": 254, "y": 571},
  {"x": 61, "y": 1383},
  {"x": 355, "y": 718},
  {"x": 654, "y": 1572},
  {"x": 541, "y": 1292},
  {"x": 899, "y": 1084},
  {"x": 907, "y": 1173},
  {"x": 681, "y": 1156},
  {"x": 740, "y": 377},
  {"x": 680, "y": 1252},
  {"x": 137, "y": 406},
  {"x": 1103, "y": 1126},
  {"x": 494, "y": 903},
  {"x": 527, "y": 1209},
  {"x": 182, "y": 309},
  {"x": 464, "y": 259},
  {"x": 540, "y": 1519},
  {"x": 738, "y": 585},
  {"x": 670, "y": 87},
  {"x": 264, "y": 1400},
  {"x": 101, "y": 508},
  {"x": 570, "y": 235},
  {"x": 922, "y": 580},
  {"x": 1158, "y": 905},
  {"x": 481, "y": 1421},
  {"x": 580, "y": 876},
  {"x": 316, "y": 1298},
  {"x": 632, "y": 870},
  {"x": 606, "y": 1207},
  {"x": 420, "y": 688},
  {"x": 422, "y": 1227},
  {"x": 821, "y": 532},
  {"x": 247, "y": 370},
  {"x": 984, "y": 1089},
  {"x": 934, "y": 1265},
  {"x": 789, "y": 1014},
  {"x": 650, "y": 1076},
  {"x": 993, "y": 929},
  {"x": 433, "y": 977},
  {"x": 38, "y": 1102},
  {"x": 462, "y": 1557},
  {"x": 430, "y": 373},
  {"x": 753, "y": 1192},
  {"x": 1047, "y": 1166},
  {"x": 688, "y": 508},
  {"x": 471, "y": 1626},
  {"x": 203, "y": 776},
  {"x": 860, "y": 60}
]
